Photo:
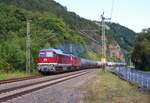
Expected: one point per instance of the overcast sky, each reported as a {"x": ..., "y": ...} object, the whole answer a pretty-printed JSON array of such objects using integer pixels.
[{"x": 134, "y": 14}]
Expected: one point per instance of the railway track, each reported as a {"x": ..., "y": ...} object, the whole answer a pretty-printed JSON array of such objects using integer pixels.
[
  {"x": 10, "y": 93},
  {"x": 19, "y": 79}
]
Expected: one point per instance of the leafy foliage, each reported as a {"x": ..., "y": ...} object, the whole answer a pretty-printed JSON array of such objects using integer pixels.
[
  {"x": 51, "y": 26},
  {"x": 141, "y": 53},
  {"x": 122, "y": 35},
  {"x": 71, "y": 19},
  {"x": 46, "y": 31}
]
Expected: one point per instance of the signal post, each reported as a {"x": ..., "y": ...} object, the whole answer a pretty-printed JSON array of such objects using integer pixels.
[{"x": 103, "y": 39}]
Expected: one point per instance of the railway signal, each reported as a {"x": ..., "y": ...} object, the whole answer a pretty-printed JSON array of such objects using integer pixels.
[{"x": 103, "y": 39}]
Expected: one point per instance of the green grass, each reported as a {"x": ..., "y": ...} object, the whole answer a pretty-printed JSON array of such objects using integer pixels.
[
  {"x": 108, "y": 88},
  {"x": 16, "y": 74}
]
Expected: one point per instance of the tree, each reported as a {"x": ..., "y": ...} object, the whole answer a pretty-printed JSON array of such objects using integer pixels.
[{"x": 141, "y": 53}]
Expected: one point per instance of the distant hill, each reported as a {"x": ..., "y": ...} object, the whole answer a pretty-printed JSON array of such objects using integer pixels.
[
  {"x": 124, "y": 36},
  {"x": 117, "y": 34},
  {"x": 52, "y": 25}
]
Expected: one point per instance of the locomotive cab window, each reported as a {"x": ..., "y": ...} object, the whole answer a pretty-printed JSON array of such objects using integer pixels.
[
  {"x": 49, "y": 54},
  {"x": 42, "y": 54}
]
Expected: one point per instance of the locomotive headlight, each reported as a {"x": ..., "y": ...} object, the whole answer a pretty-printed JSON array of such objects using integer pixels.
[{"x": 45, "y": 60}]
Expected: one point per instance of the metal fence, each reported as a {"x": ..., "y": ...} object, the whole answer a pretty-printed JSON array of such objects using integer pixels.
[{"x": 142, "y": 79}]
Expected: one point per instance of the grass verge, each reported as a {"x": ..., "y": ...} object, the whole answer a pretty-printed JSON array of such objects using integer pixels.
[
  {"x": 16, "y": 74},
  {"x": 108, "y": 88}
]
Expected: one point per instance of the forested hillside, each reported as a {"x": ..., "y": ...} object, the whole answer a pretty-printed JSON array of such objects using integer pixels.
[
  {"x": 124, "y": 36},
  {"x": 46, "y": 31},
  {"x": 52, "y": 25},
  {"x": 73, "y": 20}
]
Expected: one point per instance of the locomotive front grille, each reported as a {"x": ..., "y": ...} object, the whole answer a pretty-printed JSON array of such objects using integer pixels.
[{"x": 46, "y": 68}]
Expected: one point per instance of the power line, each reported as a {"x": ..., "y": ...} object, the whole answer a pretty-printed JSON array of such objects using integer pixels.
[{"x": 83, "y": 33}]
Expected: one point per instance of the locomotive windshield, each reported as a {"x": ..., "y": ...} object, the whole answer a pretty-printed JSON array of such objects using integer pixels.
[
  {"x": 49, "y": 54},
  {"x": 42, "y": 54},
  {"x": 46, "y": 54}
]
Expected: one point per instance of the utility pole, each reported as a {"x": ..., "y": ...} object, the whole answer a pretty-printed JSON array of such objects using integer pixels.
[
  {"x": 103, "y": 39},
  {"x": 28, "y": 47}
]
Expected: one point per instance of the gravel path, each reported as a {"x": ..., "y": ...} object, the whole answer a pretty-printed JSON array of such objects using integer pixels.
[{"x": 69, "y": 91}]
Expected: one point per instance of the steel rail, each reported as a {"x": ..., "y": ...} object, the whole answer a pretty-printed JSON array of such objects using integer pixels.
[
  {"x": 19, "y": 79},
  {"x": 13, "y": 93}
]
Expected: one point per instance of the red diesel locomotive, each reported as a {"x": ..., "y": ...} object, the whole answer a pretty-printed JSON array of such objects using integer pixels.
[{"x": 54, "y": 60}]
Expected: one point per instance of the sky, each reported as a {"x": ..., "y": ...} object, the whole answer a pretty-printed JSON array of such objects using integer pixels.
[{"x": 134, "y": 14}]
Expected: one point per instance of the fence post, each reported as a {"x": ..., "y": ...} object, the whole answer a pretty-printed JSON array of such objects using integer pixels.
[
  {"x": 147, "y": 81},
  {"x": 137, "y": 78},
  {"x": 142, "y": 79},
  {"x": 128, "y": 75},
  {"x": 119, "y": 70},
  {"x": 133, "y": 76}
]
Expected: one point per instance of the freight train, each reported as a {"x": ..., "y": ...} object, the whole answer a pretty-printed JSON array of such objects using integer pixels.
[{"x": 54, "y": 61}]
